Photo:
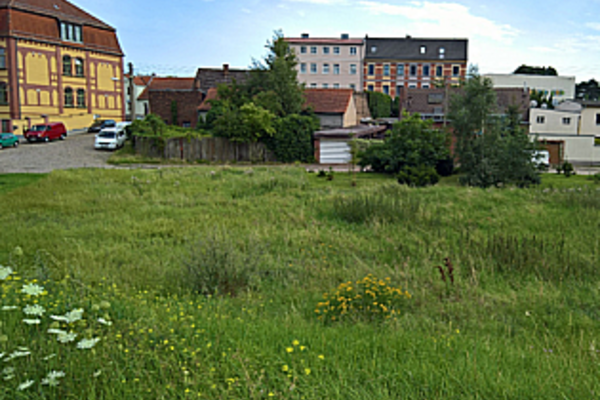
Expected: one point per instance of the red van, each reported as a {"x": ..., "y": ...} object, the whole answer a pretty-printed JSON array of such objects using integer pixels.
[{"x": 46, "y": 132}]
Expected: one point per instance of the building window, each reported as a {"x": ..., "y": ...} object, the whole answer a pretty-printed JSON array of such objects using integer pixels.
[
  {"x": 71, "y": 32},
  {"x": 67, "y": 68},
  {"x": 597, "y": 119},
  {"x": 400, "y": 70},
  {"x": 425, "y": 86},
  {"x": 455, "y": 70},
  {"x": 540, "y": 119},
  {"x": 302, "y": 49},
  {"x": 68, "y": 97},
  {"x": 303, "y": 68},
  {"x": 79, "y": 71},
  {"x": 412, "y": 86},
  {"x": 398, "y": 90},
  {"x": 439, "y": 71},
  {"x": 325, "y": 50},
  {"x": 336, "y": 50},
  {"x": 566, "y": 121},
  {"x": 336, "y": 85},
  {"x": 80, "y": 98},
  {"x": 313, "y": 85},
  {"x": 313, "y": 68},
  {"x": 373, "y": 49},
  {"x": 370, "y": 88},
  {"x": 413, "y": 70},
  {"x": 313, "y": 50},
  {"x": 423, "y": 49},
  {"x": 6, "y": 125},
  {"x": 325, "y": 68},
  {"x": 386, "y": 70},
  {"x": 352, "y": 69},
  {"x": 442, "y": 53},
  {"x": 3, "y": 93},
  {"x": 326, "y": 86},
  {"x": 336, "y": 69},
  {"x": 386, "y": 90},
  {"x": 371, "y": 70},
  {"x": 352, "y": 86},
  {"x": 352, "y": 51},
  {"x": 2, "y": 58},
  {"x": 426, "y": 70}
]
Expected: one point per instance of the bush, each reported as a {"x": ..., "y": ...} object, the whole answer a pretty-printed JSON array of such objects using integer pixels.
[
  {"x": 369, "y": 299},
  {"x": 418, "y": 176},
  {"x": 219, "y": 266},
  {"x": 293, "y": 138},
  {"x": 445, "y": 167}
]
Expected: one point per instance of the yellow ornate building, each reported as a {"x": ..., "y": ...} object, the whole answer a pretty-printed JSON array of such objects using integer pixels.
[{"x": 57, "y": 64}]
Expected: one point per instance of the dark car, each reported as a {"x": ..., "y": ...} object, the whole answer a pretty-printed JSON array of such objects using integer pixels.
[
  {"x": 100, "y": 124},
  {"x": 46, "y": 132}
]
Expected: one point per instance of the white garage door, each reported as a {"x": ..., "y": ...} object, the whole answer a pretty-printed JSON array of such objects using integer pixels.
[{"x": 335, "y": 152}]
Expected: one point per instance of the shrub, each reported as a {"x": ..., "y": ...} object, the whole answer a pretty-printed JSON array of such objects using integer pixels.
[
  {"x": 418, "y": 176},
  {"x": 369, "y": 299},
  {"x": 293, "y": 138},
  {"x": 219, "y": 266}
]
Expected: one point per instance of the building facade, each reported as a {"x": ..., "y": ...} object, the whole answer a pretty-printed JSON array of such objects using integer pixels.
[
  {"x": 57, "y": 63},
  {"x": 394, "y": 63},
  {"x": 561, "y": 88},
  {"x": 329, "y": 63},
  {"x": 136, "y": 108}
]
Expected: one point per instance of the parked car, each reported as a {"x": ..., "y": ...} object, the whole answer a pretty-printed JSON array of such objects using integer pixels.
[
  {"x": 100, "y": 124},
  {"x": 8, "y": 140},
  {"x": 46, "y": 132},
  {"x": 111, "y": 138}
]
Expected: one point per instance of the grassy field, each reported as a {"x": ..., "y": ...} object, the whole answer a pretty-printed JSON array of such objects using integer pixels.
[{"x": 334, "y": 290}]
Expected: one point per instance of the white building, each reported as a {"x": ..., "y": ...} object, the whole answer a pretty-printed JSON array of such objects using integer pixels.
[
  {"x": 142, "y": 107},
  {"x": 560, "y": 87}
]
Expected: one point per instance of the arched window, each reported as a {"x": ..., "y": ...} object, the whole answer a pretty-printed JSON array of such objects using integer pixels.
[
  {"x": 68, "y": 97},
  {"x": 3, "y": 93},
  {"x": 67, "y": 67},
  {"x": 79, "y": 70},
  {"x": 80, "y": 98}
]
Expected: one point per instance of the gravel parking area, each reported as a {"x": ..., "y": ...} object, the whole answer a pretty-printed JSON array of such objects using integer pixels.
[{"x": 76, "y": 151}]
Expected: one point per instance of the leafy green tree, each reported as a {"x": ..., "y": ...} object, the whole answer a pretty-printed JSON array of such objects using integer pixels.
[
  {"x": 529, "y": 70},
  {"x": 293, "y": 138},
  {"x": 380, "y": 104},
  {"x": 541, "y": 99},
  {"x": 248, "y": 123},
  {"x": 412, "y": 142},
  {"x": 588, "y": 90},
  {"x": 492, "y": 151}
]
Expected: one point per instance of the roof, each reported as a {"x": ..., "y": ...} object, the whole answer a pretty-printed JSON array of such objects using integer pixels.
[
  {"x": 213, "y": 77},
  {"x": 142, "y": 80},
  {"x": 61, "y": 9},
  {"x": 328, "y": 101},
  {"x": 350, "y": 132},
  {"x": 167, "y": 84},
  {"x": 589, "y": 103},
  {"x": 324, "y": 41},
  {"x": 410, "y": 49},
  {"x": 212, "y": 94}
]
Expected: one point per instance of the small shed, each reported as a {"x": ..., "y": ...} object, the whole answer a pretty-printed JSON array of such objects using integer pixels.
[{"x": 332, "y": 145}]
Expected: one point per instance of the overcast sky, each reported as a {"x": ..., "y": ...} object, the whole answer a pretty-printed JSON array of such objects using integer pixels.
[{"x": 179, "y": 36}]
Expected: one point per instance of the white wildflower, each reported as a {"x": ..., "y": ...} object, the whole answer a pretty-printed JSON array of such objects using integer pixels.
[
  {"x": 17, "y": 354},
  {"x": 36, "y": 310},
  {"x": 2, "y": 355},
  {"x": 25, "y": 385},
  {"x": 87, "y": 343},
  {"x": 104, "y": 322},
  {"x": 8, "y": 371},
  {"x": 70, "y": 317},
  {"x": 50, "y": 357},
  {"x": 9, "y": 308},
  {"x": 21, "y": 348},
  {"x": 56, "y": 331},
  {"x": 32, "y": 289},
  {"x": 97, "y": 373},
  {"x": 32, "y": 321},
  {"x": 52, "y": 378},
  {"x": 5, "y": 272},
  {"x": 8, "y": 377},
  {"x": 66, "y": 337}
]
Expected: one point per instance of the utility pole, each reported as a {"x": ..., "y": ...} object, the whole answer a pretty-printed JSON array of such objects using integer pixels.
[{"x": 132, "y": 97}]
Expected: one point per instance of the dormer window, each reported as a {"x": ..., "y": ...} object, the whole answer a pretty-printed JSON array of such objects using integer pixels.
[
  {"x": 71, "y": 32},
  {"x": 423, "y": 49},
  {"x": 442, "y": 53},
  {"x": 373, "y": 49}
]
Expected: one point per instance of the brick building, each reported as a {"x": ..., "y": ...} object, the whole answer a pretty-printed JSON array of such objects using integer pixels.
[
  {"x": 165, "y": 94},
  {"x": 414, "y": 63}
]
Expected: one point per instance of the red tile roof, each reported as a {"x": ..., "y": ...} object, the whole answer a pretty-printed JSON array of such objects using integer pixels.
[
  {"x": 328, "y": 101},
  {"x": 212, "y": 94},
  {"x": 167, "y": 84},
  {"x": 142, "y": 80},
  {"x": 323, "y": 41},
  {"x": 61, "y": 9}
]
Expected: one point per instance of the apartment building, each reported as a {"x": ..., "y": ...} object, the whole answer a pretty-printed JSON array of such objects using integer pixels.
[
  {"x": 561, "y": 88},
  {"x": 329, "y": 63}
]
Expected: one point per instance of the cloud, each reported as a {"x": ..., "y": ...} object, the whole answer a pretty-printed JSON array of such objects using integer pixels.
[
  {"x": 444, "y": 19},
  {"x": 593, "y": 25},
  {"x": 322, "y": 2}
]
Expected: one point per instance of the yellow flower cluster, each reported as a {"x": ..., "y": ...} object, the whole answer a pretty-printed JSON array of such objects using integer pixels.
[{"x": 369, "y": 298}]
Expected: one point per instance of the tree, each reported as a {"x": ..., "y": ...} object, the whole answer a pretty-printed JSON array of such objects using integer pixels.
[
  {"x": 529, "y": 70},
  {"x": 275, "y": 81},
  {"x": 588, "y": 90},
  {"x": 541, "y": 99},
  {"x": 380, "y": 104},
  {"x": 248, "y": 123},
  {"x": 492, "y": 151}
]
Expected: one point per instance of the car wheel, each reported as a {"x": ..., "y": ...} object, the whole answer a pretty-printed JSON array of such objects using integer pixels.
[
  {"x": 1, "y": 147},
  {"x": 46, "y": 139},
  {"x": 16, "y": 144},
  {"x": 62, "y": 137}
]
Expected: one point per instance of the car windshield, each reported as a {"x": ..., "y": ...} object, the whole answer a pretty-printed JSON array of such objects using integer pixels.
[
  {"x": 40, "y": 128},
  {"x": 109, "y": 124},
  {"x": 107, "y": 135}
]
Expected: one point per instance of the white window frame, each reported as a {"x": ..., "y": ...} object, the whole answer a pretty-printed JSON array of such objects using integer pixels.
[
  {"x": 336, "y": 69},
  {"x": 353, "y": 51},
  {"x": 325, "y": 49},
  {"x": 313, "y": 49},
  {"x": 313, "y": 68},
  {"x": 540, "y": 119},
  {"x": 303, "y": 68},
  {"x": 325, "y": 70},
  {"x": 336, "y": 50},
  {"x": 353, "y": 69},
  {"x": 303, "y": 50}
]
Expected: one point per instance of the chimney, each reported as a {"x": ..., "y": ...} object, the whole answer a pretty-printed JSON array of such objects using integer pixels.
[
  {"x": 345, "y": 36},
  {"x": 408, "y": 37},
  {"x": 304, "y": 36},
  {"x": 225, "y": 69}
]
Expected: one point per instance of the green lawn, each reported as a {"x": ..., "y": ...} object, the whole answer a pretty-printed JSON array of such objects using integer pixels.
[{"x": 133, "y": 248}]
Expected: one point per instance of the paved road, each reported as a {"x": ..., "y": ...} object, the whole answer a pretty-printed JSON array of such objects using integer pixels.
[{"x": 73, "y": 152}]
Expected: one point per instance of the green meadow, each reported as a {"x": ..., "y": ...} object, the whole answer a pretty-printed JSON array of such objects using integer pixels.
[{"x": 273, "y": 283}]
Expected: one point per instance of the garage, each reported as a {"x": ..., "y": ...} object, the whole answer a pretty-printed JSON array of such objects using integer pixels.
[
  {"x": 335, "y": 152},
  {"x": 333, "y": 146}
]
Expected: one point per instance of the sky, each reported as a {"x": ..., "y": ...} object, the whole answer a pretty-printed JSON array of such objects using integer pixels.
[{"x": 176, "y": 37}]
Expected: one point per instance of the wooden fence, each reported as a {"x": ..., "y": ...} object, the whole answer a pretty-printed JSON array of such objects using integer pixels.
[{"x": 207, "y": 149}]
